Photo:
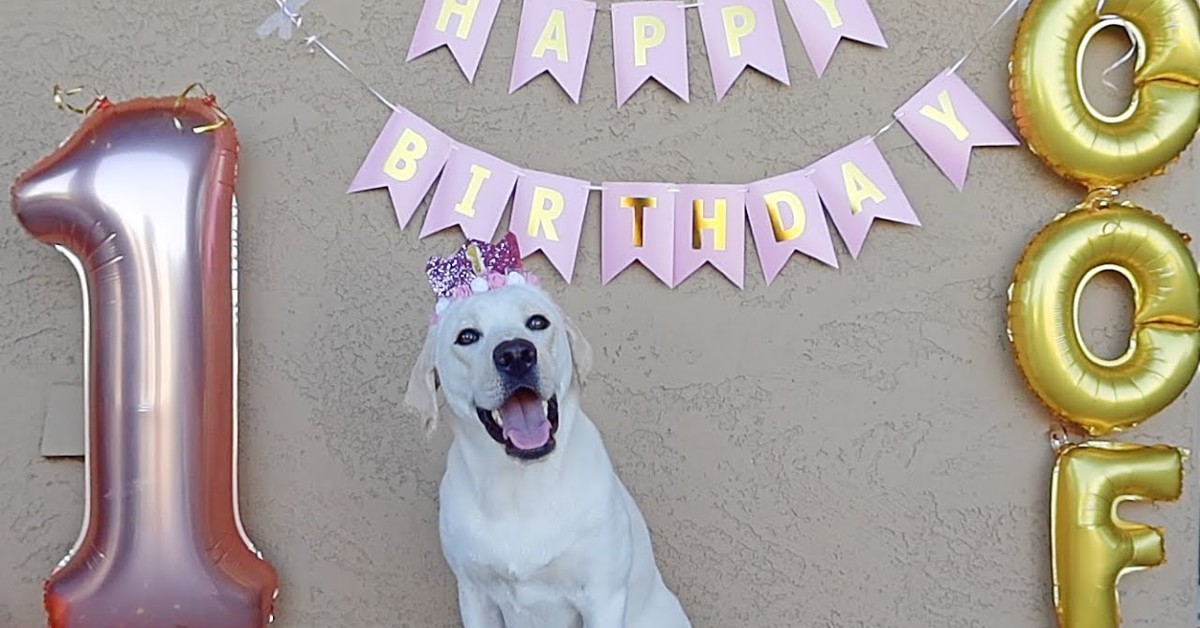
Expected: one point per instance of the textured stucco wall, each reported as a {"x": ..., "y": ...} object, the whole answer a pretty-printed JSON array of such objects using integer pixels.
[{"x": 845, "y": 448}]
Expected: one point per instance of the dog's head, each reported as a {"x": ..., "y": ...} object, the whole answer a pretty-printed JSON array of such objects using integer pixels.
[{"x": 504, "y": 360}]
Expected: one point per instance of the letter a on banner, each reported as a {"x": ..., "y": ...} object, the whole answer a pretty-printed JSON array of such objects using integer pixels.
[
  {"x": 649, "y": 42},
  {"x": 463, "y": 26},
  {"x": 637, "y": 224},
  {"x": 947, "y": 119},
  {"x": 406, "y": 158},
  {"x": 554, "y": 37},
  {"x": 858, "y": 187}
]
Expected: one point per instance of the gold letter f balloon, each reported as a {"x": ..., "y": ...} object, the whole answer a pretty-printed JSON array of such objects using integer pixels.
[{"x": 1092, "y": 546}]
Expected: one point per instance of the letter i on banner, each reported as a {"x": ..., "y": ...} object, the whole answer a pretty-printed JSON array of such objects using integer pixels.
[
  {"x": 710, "y": 227},
  {"x": 554, "y": 37},
  {"x": 547, "y": 216},
  {"x": 637, "y": 224},
  {"x": 823, "y": 23},
  {"x": 786, "y": 216},
  {"x": 948, "y": 119},
  {"x": 463, "y": 26},
  {"x": 473, "y": 192},
  {"x": 858, "y": 187},
  {"x": 740, "y": 34},
  {"x": 649, "y": 42},
  {"x": 406, "y": 158}
]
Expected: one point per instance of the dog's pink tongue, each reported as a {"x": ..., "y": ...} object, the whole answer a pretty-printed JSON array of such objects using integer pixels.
[{"x": 525, "y": 423}]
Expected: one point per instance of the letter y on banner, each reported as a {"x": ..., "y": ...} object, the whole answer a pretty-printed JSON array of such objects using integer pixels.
[
  {"x": 947, "y": 119},
  {"x": 462, "y": 26},
  {"x": 406, "y": 158},
  {"x": 858, "y": 187},
  {"x": 823, "y": 23}
]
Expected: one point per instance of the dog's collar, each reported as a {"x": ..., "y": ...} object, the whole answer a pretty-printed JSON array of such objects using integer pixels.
[{"x": 476, "y": 267}]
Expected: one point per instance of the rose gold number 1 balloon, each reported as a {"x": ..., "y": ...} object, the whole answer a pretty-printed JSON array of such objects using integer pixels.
[{"x": 141, "y": 200}]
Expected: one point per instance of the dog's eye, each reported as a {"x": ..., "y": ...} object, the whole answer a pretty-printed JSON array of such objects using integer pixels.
[
  {"x": 537, "y": 322},
  {"x": 467, "y": 337}
]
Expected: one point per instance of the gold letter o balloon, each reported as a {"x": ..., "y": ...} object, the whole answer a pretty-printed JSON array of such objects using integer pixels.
[
  {"x": 1053, "y": 112},
  {"x": 1043, "y": 316}
]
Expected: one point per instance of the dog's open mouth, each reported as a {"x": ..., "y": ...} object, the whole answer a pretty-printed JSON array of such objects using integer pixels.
[{"x": 525, "y": 424}]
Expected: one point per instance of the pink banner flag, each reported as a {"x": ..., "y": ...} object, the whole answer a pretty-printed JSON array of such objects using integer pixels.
[
  {"x": 554, "y": 37},
  {"x": 547, "y": 216},
  {"x": 406, "y": 158},
  {"x": 462, "y": 26},
  {"x": 740, "y": 34},
  {"x": 786, "y": 216},
  {"x": 473, "y": 192},
  {"x": 858, "y": 187},
  {"x": 649, "y": 41},
  {"x": 823, "y": 23},
  {"x": 947, "y": 119},
  {"x": 710, "y": 227},
  {"x": 637, "y": 225}
]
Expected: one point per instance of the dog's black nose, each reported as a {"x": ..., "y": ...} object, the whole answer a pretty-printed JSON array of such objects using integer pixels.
[{"x": 515, "y": 357}]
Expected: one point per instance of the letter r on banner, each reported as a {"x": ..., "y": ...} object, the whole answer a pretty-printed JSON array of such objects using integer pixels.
[{"x": 546, "y": 207}]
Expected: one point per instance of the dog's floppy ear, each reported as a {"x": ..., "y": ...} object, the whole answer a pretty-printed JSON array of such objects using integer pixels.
[
  {"x": 421, "y": 395},
  {"x": 581, "y": 350}
]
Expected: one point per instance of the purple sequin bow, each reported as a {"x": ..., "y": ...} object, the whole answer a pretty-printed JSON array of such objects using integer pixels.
[{"x": 476, "y": 267}]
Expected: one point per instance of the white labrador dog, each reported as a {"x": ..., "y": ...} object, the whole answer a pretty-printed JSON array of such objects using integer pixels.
[{"x": 535, "y": 524}]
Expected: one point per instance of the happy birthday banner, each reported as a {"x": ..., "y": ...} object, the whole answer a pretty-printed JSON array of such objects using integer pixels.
[
  {"x": 649, "y": 39},
  {"x": 671, "y": 229}
]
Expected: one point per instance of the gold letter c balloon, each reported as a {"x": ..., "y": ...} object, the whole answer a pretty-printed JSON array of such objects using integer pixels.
[
  {"x": 1101, "y": 395},
  {"x": 1053, "y": 112}
]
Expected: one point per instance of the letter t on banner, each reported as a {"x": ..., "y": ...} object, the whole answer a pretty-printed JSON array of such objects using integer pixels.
[
  {"x": 649, "y": 41},
  {"x": 637, "y": 223},
  {"x": 740, "y": 34},
  {"x": 947, "y": 119},
  {"x": 547, "y": 216},
  {"x": 406, "y": 158},
  {"x": 858, "y": 187},
  {"x": 463, "y": 26},
  {"x": 554, "y": 37},
  {"x": 823, "y": 23}
]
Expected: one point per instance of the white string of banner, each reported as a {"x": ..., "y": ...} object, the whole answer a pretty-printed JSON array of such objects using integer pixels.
[{"x": 288, "y": 17}]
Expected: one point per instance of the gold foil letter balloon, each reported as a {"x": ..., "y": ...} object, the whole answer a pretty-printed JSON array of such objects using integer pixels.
[
  {"x": 1053, "y": 112},
  {"x": 1093, "y": 546},
  {"x": 1101, "y": 395},
  {"x": 140, "y": 199}
]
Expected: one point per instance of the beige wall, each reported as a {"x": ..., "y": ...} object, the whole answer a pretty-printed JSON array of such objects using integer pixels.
[{"x": 845, "y": 448}]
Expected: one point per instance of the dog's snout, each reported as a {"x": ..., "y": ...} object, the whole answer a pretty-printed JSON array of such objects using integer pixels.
[{"x": 515, "y": 357}]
